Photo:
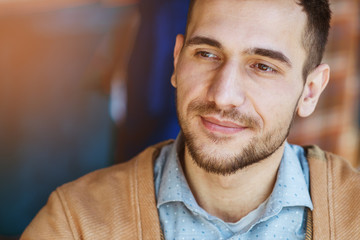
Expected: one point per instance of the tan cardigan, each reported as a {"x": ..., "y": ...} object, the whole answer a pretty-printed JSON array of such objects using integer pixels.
[{"x": 119, "y": 202}]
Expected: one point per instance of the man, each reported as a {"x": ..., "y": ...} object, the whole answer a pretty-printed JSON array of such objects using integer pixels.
[{"x": 242, "y": 72}]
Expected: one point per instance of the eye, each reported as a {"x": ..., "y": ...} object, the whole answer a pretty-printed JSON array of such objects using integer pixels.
[
  {"x": 264, "y": 68},
  {"x": 207, "y": 55}
]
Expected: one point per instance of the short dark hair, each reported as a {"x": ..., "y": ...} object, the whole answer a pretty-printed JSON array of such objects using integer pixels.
[{"x": 316, "y": 32}]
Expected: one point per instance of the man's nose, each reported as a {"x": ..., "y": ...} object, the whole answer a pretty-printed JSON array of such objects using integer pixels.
[{"x": 227, "y": 87}]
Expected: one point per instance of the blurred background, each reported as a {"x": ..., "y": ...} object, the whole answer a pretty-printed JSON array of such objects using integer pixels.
[{"x": 85, "y": 84}]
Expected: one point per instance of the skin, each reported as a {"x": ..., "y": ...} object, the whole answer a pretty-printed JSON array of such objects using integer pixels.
[{"x": 244, "y": 59}]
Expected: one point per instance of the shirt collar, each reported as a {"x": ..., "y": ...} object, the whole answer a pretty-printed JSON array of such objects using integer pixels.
[
  {"x": 291, "y": 183},
  {"x": 173, "y": 184}
]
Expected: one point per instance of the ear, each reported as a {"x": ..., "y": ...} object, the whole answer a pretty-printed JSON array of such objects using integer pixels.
[
  {"x": 314, "y": 86},
  {"x": 177, "y": 50}
]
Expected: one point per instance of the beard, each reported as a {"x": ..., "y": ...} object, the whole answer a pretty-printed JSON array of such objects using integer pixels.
[{"x": 225, "y": 163}]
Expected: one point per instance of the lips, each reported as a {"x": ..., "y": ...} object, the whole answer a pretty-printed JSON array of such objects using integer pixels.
[{"x": 224, "y": 127}]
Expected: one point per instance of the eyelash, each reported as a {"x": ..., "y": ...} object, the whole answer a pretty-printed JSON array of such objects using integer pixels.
[
  {"x": 260, "y": 67},
  {"x": 204, "y": 54}
]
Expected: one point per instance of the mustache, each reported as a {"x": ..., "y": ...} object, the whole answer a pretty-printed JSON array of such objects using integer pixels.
[{"x": 204, "y": 108}]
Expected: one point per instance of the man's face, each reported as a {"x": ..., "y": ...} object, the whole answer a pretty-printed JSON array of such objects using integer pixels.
[{"x": 238, "y": 76}]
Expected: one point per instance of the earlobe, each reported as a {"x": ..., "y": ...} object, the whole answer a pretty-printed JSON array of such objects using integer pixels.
[
  {"x": 314, "y": 86},
  {"x": 177, "y": 50}
]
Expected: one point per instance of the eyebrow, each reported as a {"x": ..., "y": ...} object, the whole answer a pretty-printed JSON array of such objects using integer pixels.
[
  {"x": 203, "y": 40},
  {"x": 270, "y": 54},
  {"x": 277, "y": 55}
]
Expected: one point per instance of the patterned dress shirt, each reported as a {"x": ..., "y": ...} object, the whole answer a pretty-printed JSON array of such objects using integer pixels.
[{"x": 281, "y": 216}]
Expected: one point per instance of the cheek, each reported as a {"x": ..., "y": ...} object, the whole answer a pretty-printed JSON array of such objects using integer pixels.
[
  {"x": 190, "y": 85},
  {"x": 275, "y": 105},
  {"x": 184, "y": 94},
  {"x": 193, "y": 73}
]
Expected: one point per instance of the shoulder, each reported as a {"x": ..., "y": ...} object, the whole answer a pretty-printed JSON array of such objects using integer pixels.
[
  {"x": 319, "y": 160},
  {"x": 104, "y": 204},
  {"x": 335, "y": 192},
  {"x": 333, "y": 169}
]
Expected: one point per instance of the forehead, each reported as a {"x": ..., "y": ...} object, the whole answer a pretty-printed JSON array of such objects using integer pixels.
[
  {"x": 288, "y": 9},
  {"x": 269, "y": 23}
]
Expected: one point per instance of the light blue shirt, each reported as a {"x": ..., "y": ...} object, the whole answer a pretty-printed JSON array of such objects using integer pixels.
[{"x": 281, "y": 216}]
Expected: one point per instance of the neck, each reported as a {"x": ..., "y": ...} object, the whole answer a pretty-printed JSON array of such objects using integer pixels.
[{"x": 232, "y": 197}]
